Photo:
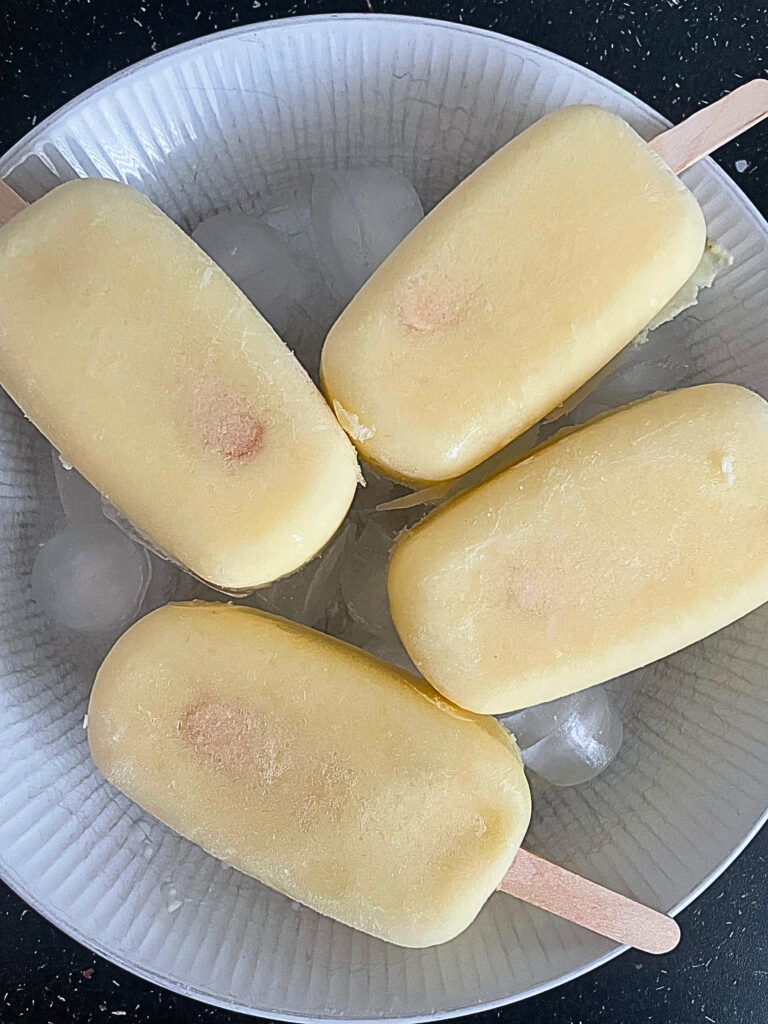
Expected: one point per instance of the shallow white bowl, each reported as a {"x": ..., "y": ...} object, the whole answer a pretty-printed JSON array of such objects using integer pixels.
[{"x": 242, "y": 119}]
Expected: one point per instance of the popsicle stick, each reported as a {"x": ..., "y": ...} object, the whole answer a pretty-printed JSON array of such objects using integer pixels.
[
  {"x": 713, "y": 126},
  {"x": 601, "y": 910},
  {"x": 10, "y": 203}
]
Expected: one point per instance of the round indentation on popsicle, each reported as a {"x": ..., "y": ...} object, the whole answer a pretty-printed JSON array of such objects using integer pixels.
[
  {"x": 233, "y": 739},
  {"x": 226, "y": 422},
  {"x": 250, "y": 747},
  {"x": 430, "y": 302},
  {"x": 528, "y": 589}
]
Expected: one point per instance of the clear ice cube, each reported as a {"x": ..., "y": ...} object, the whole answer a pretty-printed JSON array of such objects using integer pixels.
[
  {"x": 90, "y": 578},
  {"x": 640, "y": 370},
  {"x": 377, "y": 490},
  {"x": 364, "y": 579},
  {"x": 162, "y": 585},
  {"x": 634, "y": 379},
  {"x": 571, "y": 740},
  {"x": 532, "y": 724},
  {"x": 258, "y": 259},
  {"x": 358, "y": 217},
  {"x": 309, "y": 595},
  {"x": 81, "y": 502}
]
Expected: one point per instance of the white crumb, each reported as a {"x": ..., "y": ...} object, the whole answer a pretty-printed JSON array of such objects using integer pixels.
[
  {"x": 726, "y": 467},
  {"x": 351, "y": 423}
]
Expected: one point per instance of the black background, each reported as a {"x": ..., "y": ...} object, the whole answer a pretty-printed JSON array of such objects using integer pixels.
[{"x": 676, "y": 55}]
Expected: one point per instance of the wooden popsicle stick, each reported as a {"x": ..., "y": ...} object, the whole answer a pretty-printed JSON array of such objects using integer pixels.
[
  {"x": 601, "y": 910},
  {"x": 713, "y": 126},
  {"x": 10, "y": 203}
]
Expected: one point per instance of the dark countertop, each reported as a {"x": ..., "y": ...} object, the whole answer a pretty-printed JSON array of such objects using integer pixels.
[{"x": 676, "y": 55}]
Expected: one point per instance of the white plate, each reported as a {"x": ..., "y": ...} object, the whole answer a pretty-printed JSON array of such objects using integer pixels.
[{"x": 241, "y": 119}]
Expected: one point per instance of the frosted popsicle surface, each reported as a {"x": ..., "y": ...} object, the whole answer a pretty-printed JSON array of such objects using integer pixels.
[
  {"x": 156, "y": 378},
  {"x": 318, "y": 769},
  {"x": 622, "y": 542},
  {"x": 530, "y": 276}
]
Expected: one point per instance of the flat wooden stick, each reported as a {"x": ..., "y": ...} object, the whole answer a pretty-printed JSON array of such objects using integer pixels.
[
  {"x": 10, "y": 203},
  {"x": 608, "y": 913},
  {"x": 713, "y": 126}
]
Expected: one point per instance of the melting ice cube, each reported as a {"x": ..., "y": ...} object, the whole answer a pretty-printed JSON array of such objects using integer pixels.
[
  {"x": 309, "y": 594},
  {"x": 571, "y": 740},
  {"x": 364, "y": 579},
  {"x": 358, "y": 217},
  {"x": 258, "y": 259},
  {"x": 80, "y": 501},
  {"x": 90, "y": 578}
]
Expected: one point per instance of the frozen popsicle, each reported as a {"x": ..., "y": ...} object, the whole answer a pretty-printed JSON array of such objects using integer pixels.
[
  {"x": 520, "y": 285},
  {"x": 331, "y": 776},
  {"x": 335, "y": 778},
  {"x": 619, "y": 543},
  {"x": 516, "y": 289},
  {"x": 154, "y": 376}
]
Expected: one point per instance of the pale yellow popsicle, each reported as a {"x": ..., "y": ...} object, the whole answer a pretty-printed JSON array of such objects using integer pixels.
[
  {"x": 155, "y": 377},
  {"x": 516, "y": 289},
  {"x": 327, "y": 774},
  {"x": 626, "y": 540}
]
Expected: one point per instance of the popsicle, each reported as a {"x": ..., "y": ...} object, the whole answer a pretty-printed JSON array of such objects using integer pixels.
[
  {"x": 519, "y": 286},
  {"x": 154, "y": 376},
  {"x": 331, "y": 776},
  {"x": 615, "y": 545}
]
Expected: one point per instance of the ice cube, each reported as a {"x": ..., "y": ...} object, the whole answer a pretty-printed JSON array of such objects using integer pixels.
[
  {"x": 310, "y": 594},
  {"x": 258, "y": 259},
  {"x": 163, "y": 584},
  {"x": 635, "y": 378},
  {"x": 90, "y": 578},
  {"x": 133, "y": 533},
  {"x": 571, "y": 740},
  {"x": 358, "y": 217},
  {"x": 372, "y": 503},
  {"x": 323, "y": 588},
  {"x": 377, "y": 490},
  {"x": 532, "y": 724},
  {"x": 364, "y": 578},
  {"x": 383, "y": 643},
  {"x": 637, "y": 372},
  {"x": 80, "y": 501},
  {"x": 243, "y": 246}
]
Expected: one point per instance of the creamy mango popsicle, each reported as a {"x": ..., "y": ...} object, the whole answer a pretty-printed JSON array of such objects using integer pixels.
[
  {"x": 515, "y": 290},
  {"x": 347, "y": 784},
  {"x": 621, "y": 542},
  {"x": 154, "y": 376}
]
